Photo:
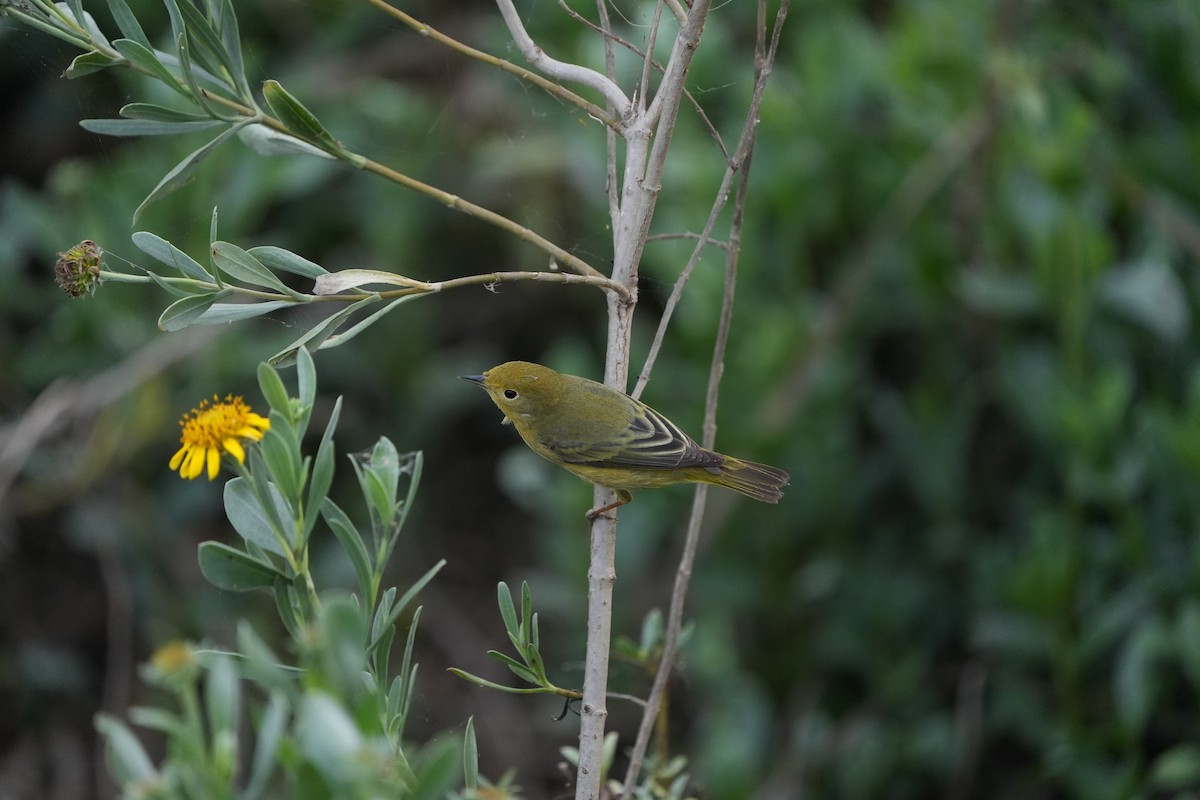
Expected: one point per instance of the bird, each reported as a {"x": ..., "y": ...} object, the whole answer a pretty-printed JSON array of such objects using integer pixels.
[{"x": 611, "y": 439}]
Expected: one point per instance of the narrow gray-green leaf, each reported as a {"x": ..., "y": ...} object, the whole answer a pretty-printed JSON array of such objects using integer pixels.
[
  {"x": 334, "y": 282},
  {"x": 270, "y": 142},
  {"x": 189, "y": 73},
  {"x": 86, "y": 21},
  {"x": 322, "y": 469},
  {"x": 241, "y": 266},
  {"x": 177, "y": 28},
  {"x": 295, "y": 117},
  {"x": 470, "y": 757},
  {"x": 128, "y": 23},
  {"x": 222, "y": 313},
  {"x": 272, "y": 388},
  {"x": 276, "y": 258},
  {"x": 246, "y": 515},
  {"x": 160, "y": 249},
  {"x": 127, "y": 759},
  {"x": 143, "y": 58},
  {"x": 185, "y": 312},
  {"x": 152, "y": 111},
  {"x": 350, "y": 539},
  {"x": 210, "y": 50},
  {"x": 231, "y": 38},
  {"x": 88, "y": 63},
  {"x": 75, "y": 7},
  {"x": 181, "y": 173},
  {"x": 366, "y": 322},
  {"x": 232, "y": 570},
  {"x": 317, "y": 335},
  {"x": 145, "y": 127},
  {"x": 266, "y": 756}
]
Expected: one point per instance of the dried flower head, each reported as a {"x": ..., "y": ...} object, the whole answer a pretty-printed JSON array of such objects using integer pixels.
[{"x": 77, "y": 271}]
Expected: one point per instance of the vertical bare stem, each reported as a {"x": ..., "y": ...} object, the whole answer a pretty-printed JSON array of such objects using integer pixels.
[{"x": 764, "y": 58}]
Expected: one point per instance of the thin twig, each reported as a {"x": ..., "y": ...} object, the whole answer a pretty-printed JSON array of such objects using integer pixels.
[
  {"x": 610, "y": 140},
  {"x": 648, "y": 57},
  {"x": 572, "y": 262},
  {"x": 764, "y": 58},
  {"x": 65, "y": 401},
  {"x": 560, "y": 70},
  {"x": 610, "y": 38},
  {"x": 411, "y": 285},
  {"x": 708, "y": 240},
  {"x": 903, "y": 207},
  {"x": 745, "y": 143},
  {"x": 610, "y": 119}
]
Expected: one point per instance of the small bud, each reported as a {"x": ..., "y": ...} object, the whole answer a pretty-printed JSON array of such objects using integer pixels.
[{"x": 78, "y": 270}]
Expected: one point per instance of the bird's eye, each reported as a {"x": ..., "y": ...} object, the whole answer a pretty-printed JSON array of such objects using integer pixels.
[{"x": 510, "y": 394}]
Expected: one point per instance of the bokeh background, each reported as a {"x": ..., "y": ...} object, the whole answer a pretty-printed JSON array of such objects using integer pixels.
[{"x": 964, "y": 323}]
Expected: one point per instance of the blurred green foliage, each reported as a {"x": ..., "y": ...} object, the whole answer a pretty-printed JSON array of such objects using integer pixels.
[{"x": 964, "y": 324}]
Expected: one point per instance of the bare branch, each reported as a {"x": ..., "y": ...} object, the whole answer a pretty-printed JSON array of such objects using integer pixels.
[
  {"x": 610, "y": 69},
  {"x": 671, "y": 88},
  {"x": 560, "y": 70},
  {"x": 648, "y": 57},
  {"x": 708, "y": 240},
  {"x": 610, "y": 37},
  {"x": 763, "y": 60},
  {"x": 561, "y": 92},
  {"x": 570, "y": 261},
  {"x": 745, "y": 145}
]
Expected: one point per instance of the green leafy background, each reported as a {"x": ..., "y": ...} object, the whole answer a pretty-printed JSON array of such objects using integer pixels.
[{"x": 963, "y": 323}]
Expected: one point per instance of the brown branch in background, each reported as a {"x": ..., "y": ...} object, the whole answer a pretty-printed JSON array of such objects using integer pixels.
[
  {"x": 911, "y": 197},
  {"x": 763, "y": 58},
  {"x": 66, "y": 402}
]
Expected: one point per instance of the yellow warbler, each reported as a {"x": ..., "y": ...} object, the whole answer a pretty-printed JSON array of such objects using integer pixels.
[{"x": 606, "y": 437}]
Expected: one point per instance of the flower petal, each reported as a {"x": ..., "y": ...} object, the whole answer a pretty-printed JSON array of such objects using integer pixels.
[
  {"x": 214, "y": 463},
  {"x": 234, "y": 448},
  {"x": 177, "y": 459},
  {"x": 193, "y": 464}
]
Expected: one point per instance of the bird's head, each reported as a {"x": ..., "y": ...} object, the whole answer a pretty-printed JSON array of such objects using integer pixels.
[{"x": 521, "y": 389}]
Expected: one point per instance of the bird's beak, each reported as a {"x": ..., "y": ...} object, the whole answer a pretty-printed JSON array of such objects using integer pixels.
[{"x": 473, "y": 378}]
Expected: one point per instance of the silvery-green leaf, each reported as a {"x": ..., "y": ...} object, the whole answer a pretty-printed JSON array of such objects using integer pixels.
[
  {"x": 335, "y": 282},
  {"x": 157, "y": 113},
  {"x": 128, "y": 23},
  {"x": 276, "y": 258},
  {"x": 269, "y": 142},
  {"x": 222, "y": 313},
  {"x": 88, "y": 63},
  {"x": 160, "y": 249},
  {"x": 142, "y": 57},
  {"x": 182, "y": 171},
  {"x": 145, "y": 127}
]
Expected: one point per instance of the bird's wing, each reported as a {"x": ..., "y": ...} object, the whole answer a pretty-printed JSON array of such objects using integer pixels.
[{"x": 651, "y": 441}]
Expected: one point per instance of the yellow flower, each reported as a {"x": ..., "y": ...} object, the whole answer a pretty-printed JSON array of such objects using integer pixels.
[
  {"x": 210, "y": 430},
  {"x": 172, "y": 658}
]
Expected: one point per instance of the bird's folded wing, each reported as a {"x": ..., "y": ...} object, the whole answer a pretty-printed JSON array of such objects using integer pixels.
[{"x": 650, "y": 442}]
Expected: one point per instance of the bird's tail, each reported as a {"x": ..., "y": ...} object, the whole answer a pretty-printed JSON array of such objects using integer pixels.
[{"x": 759, "y": 481}]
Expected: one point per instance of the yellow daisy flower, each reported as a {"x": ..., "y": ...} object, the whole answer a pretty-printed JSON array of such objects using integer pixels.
[{"x": 210, "y": 430}]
